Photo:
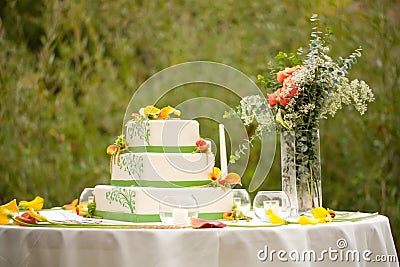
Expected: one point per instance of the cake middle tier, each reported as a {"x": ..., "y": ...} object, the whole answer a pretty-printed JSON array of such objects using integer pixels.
[{"x": 162, "y": 169}]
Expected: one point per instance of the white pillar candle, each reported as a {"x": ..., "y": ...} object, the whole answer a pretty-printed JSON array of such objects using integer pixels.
[
  {"x": 180, "y": 216},
  {"x": 222, "y": 151}
]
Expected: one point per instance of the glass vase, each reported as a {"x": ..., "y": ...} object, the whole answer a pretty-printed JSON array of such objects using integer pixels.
[{"x": 301, "y": 170}]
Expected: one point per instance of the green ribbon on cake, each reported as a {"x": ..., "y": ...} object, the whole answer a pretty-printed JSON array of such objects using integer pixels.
[
  {"x": 162, "y": 149},
  {"x": 129, "y": 217},
  {"x": 159, "y": 184}
]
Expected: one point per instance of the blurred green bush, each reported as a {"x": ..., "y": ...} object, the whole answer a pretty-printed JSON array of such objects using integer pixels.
[{"x": 69, "y": 68}]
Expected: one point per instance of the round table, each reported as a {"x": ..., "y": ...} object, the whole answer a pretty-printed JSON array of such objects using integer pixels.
[{"x": 365, "y": 243}]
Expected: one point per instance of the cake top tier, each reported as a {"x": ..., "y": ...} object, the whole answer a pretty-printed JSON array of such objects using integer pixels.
[{"x": 163, "y": 133}]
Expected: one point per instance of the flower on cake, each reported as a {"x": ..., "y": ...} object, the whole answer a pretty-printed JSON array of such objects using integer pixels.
[
  {"x": 302, "y": 88},
  {"x": 202, "y": 146},
  {"x": 230, "y": 179},
  {"x": 118, "y": 147},
  {"x": 153, "y": 113}
]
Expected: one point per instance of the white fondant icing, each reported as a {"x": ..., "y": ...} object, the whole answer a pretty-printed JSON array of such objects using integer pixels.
[
  {"x": 147, "y": 200},
  {"x": 162, "y": 133},
  {"x": 163, "y": 166}
]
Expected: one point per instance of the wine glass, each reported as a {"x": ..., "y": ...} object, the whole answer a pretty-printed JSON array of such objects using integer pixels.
[
  {"x": 241, "y": 199},
  {"x": 277, "y": 201},
  {"x": 86, "y": 196}
]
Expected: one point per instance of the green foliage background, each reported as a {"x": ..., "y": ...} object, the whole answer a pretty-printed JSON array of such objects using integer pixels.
[{"x": 69, "y": 68}]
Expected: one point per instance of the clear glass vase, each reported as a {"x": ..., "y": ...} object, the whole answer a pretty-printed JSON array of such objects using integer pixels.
[{"x": 301, "y": 170}]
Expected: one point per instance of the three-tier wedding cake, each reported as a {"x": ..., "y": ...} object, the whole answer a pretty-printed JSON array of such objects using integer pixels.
[{"x": 158, "y": 157}]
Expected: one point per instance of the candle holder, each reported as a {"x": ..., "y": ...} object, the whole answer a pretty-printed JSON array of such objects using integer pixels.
[
  {"x": 177, "y": 210},
  {"x": 86, "y": 196},
  {"x": 241, "y": 199},
  {"x": 277, "y": 201}
]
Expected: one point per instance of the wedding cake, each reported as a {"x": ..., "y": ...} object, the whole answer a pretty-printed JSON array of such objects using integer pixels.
[{"x": 159, "y": 157}]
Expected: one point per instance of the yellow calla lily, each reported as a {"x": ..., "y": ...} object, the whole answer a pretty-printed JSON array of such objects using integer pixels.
[
  {"x": 81, "y": 210},
  {"x": 149, "y": 112},
  {"x": 165, "y": 112},
  {"x": 319, "y": 212},
  {"x": 36, "y": 204},
  {"x": 275, "y": 219},
  {"x": 71, "y": 206},
  {"x": 12, "y": 206},
  {"x": 304, "y": 220},
  {"x": 322, "y": 214},
  {"x": 36, "y": 215},
  {"x": 5, "y": 215},
  {"x": 216, "y": 175}
]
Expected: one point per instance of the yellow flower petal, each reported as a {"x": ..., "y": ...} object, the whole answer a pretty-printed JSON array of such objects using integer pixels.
[
  {"x": 303, "y": 220},
  {"x": 326, "y": 219},
  {"x": 319, "y": 213},
  {"x": 5, "y": 215},
  {"x": 149, "y": 112},
  {"x": 216, "y": 175},
  {"x": 81, "y": 210},
  {"x": 165, "y": 112},
  {"x": 34, "y": 214},
  {"x": 36, "y": 204},
  {"x": 12, "y": 206},
  {"x": 280, "y": 119},
  {"x": 71, "y": 206},
  {"x": 275, "y": 219}
]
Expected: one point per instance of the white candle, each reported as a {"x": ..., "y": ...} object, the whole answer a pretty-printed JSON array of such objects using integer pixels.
[
  {"x": 238, "y": 202},
  {"x": 222, "y": 151},
  {"x": 180, "y": 216}
]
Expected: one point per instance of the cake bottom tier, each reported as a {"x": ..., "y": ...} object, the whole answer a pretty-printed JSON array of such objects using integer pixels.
[{"x": 139, "y": 204}]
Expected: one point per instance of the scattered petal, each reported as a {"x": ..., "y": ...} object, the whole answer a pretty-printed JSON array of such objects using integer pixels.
[
  {"x": 304, "y": 220},
  {"x": 71, "y": 206},
  {"x": 201, "y": 223},
  {"x": 275, "y": 219}
]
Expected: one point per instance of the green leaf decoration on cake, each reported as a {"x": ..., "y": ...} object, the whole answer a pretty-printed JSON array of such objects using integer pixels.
[
  {"x": 139, "y": 128},
  {"x": 123, "y": 196},
  {"x": 133, "y": 164}
]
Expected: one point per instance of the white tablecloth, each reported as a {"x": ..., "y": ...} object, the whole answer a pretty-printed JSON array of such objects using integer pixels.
[{"x": 371, "y": 239}]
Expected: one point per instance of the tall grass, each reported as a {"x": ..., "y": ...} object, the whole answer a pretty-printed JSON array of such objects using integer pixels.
[{"x": 69, "y": 68}]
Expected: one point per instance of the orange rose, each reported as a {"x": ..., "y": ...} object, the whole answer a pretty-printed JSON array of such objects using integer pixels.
[
  {"x": 280, "y": 76},
  {"x": 283, "y": 74}
]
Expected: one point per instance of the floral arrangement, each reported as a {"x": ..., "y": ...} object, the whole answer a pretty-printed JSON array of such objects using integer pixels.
[
  {"x": 153, "y": 113},
  {"x": 235, "y": 215},
  {"x": 302, "y": 89}
]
